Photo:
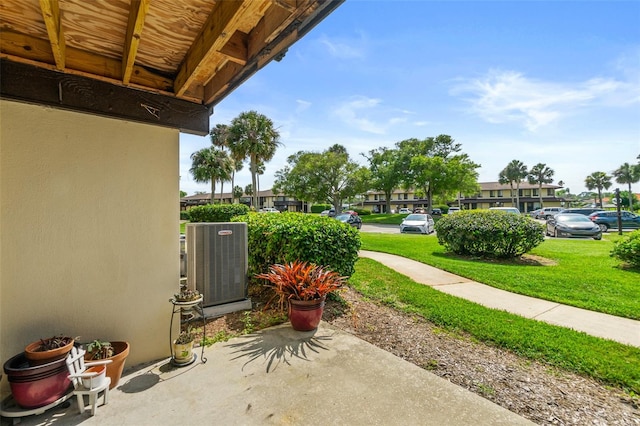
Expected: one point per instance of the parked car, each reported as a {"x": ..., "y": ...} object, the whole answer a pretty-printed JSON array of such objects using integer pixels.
[
  {"x": 330, "y": 213},
  {"x": 417, "y": 223},
  {"x": 582, "y": 210},
  {"x": 351, "y": 219},
  {"x": 404, "y": 210},
  {"x": 534, "y": 213},
  {"x": 420, "y": 210},
  {"x": 453, "y": 210},
  {"x": 506, "y": 209},
  {"x": 572, "y": 225},
  {"x": 269, "y": 210},
  {"x": 435, "y": 212},
  {"x": 609, "y": 219},
  {"x": 548, "y": 212}
]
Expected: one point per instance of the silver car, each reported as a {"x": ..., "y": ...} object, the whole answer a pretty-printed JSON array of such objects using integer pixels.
[
  {"x": 417, "y": 223},
  {"x": 572, "y": 225}
]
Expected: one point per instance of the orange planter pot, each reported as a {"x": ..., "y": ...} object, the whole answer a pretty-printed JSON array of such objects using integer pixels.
[
  {"x": 116, "y": 366},
  {"x": 36, "y": 357}
]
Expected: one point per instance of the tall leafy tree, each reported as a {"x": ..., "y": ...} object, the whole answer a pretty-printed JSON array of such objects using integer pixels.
[
  {"x": 254, "y": 136},
  {"x": 237, "y": 192},
  {"x": 385, "y": 171},
  {"x": 627, "y": 173},
  {"x": 514, "y": 172},
  {"x": 322, "y": 177},
  {"x": 210, "y": 165},
  {"x": 434, "y": 167},
  {"x": 599, "y": 181},
  {"x": 540, "y": 174}
]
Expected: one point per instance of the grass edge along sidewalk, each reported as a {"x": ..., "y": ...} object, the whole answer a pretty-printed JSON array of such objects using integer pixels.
[
  {"x": 574, "y": 272},
  {"x": 604, "y": 360}
]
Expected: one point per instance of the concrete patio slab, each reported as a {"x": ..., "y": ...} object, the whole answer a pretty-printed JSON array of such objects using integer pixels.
[{"x": 282, "y": 377}]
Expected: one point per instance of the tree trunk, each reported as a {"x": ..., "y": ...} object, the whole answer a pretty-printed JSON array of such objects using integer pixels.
[
  {"x": 387, "y": 201},
  {"x": 630, "y": 198},
  {"x": 518, "y": 195},
  {"x": 600, "y": 196},
  {"x": 233, "y": 185},
  {"x": 213, "y": 189},
  {"x": 540, "y": 194},
  {"x": 221, "y": 190},
  {"x": 512, "y": 199},
  {"x": 254, "y": 184}
]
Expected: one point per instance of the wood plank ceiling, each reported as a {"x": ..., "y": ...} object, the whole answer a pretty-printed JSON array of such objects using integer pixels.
[{"x": 176, "y": 58}]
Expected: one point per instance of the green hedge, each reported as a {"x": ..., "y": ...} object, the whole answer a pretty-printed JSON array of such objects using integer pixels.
[
  {"x": 184, "y": 215},
  {"x": 627, "y": 248},
  {"x": 319, "y": 208},
  {"x": 280, "y": 238},
  {"x": 217, "y": 212},
  {"x": 489, "y": 233}
]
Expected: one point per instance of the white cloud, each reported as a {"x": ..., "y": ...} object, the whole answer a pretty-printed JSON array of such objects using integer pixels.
[
  {"x": 302, "y": 105},
  {"x": 370, "y": 115},
  {"x": 509, "y": 96},
  {"x": 344, "y": 49}
]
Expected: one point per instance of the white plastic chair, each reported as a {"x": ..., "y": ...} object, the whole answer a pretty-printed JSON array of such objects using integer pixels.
[{"x": 84, "y": 383}]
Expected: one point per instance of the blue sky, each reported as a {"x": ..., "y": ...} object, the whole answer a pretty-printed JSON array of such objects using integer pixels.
[{"x": 553, "y": 82}]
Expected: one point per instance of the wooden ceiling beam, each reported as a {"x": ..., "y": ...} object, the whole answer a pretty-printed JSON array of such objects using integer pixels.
[
  {"x": 13, "y": 46},
  {"x": 213, "y": 37},
  {"x": 236, "y": 48},
  {"x": 41, "y": 86},
  {"x": 137, "y": 14},
  {"x": 51, "y": 15}
]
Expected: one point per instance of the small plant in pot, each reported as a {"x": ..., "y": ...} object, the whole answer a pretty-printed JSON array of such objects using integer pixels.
[
  {"x": 305, "y": 287},
  {"x": 183, "y": 347},
  {"x": 187, "y": 295},
  {"x": 47, "y": 350},
  {"x": 117, "y": 352}
]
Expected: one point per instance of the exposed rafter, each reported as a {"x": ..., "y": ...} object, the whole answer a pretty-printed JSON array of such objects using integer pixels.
[
  {"x": 137, "y": 14},
  {"x": 51, "y": 15}
]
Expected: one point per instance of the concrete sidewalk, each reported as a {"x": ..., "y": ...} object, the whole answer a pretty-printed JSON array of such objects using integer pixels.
[
  {"x": 622, "y": 330},
  {"x": 278, "y": 376}
]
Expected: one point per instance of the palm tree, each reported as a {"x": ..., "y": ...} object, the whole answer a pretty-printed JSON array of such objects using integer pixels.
[
  {"x": 540, "y": 174},
  {"x": 210, "y": 165},
  {"x": 515, "y": 171},
  {"x": 254, "y": 136},
  {"x": 628, "y": 174},
  {"x": 598, "y": 180},
  {"x": 220, "y": 137}
]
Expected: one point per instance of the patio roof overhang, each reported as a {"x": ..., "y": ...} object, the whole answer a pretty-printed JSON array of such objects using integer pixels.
[{"x": 163, "y": 62}]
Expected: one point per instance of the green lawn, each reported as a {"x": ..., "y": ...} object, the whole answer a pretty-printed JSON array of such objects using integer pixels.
[
  {"x": 605, "y": 360},
  {"x": 582, "y": 274},
  {"x": 388, "y": 219}
]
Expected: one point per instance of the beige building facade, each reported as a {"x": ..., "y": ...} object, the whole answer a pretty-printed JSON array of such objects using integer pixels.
[{"x": 89, "y": 229}]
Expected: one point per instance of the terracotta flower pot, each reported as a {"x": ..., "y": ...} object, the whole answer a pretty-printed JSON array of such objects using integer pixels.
[
  {"x": 115, "y": 367},
  {"x": 38, "y": 357},
  {"x": 305, "y": 315},
  {"x": 97, "y": 380}
]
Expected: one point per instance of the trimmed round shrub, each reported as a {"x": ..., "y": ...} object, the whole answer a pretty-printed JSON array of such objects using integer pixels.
[
  {"x": 285, "y": 237},
  {"x": 627, "y": 248},
  {"x": 217, "y": 212},
  {"x": 489, "y": 233},
  {"x": 362, "y": 212},
  {"x": 184, "y": 215}
]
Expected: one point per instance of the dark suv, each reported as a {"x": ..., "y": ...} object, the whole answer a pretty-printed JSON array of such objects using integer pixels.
[
  {"x": 583, "y": 210},
  {"x": 609, "y": 219}
]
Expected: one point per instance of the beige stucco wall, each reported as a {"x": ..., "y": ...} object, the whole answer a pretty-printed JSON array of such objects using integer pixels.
[{"x": 89, "y": 229}]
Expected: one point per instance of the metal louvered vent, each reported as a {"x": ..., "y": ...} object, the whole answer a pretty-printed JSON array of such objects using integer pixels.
[{"x": 217, "y": 261}]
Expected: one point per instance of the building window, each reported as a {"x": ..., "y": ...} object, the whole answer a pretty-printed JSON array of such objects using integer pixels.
[
  {"x": 535, "y": 192},
  {"x": 492, "y": 194},
  {"x": 500, "y": 193},
  {"x": 406, "y": 197},
  {"x": 375, "y": 197},
  {"x": 551, "y": 192}
]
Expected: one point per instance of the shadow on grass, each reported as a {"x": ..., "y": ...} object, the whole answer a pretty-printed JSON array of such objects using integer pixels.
[{"x": 524, "y": 260}]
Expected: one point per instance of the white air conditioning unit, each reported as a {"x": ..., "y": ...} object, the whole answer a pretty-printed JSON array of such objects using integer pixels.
[{"x": 217, "y": 262}]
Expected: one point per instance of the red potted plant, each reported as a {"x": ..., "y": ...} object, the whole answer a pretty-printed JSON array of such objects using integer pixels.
[{"x": 305, "y": 287}]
